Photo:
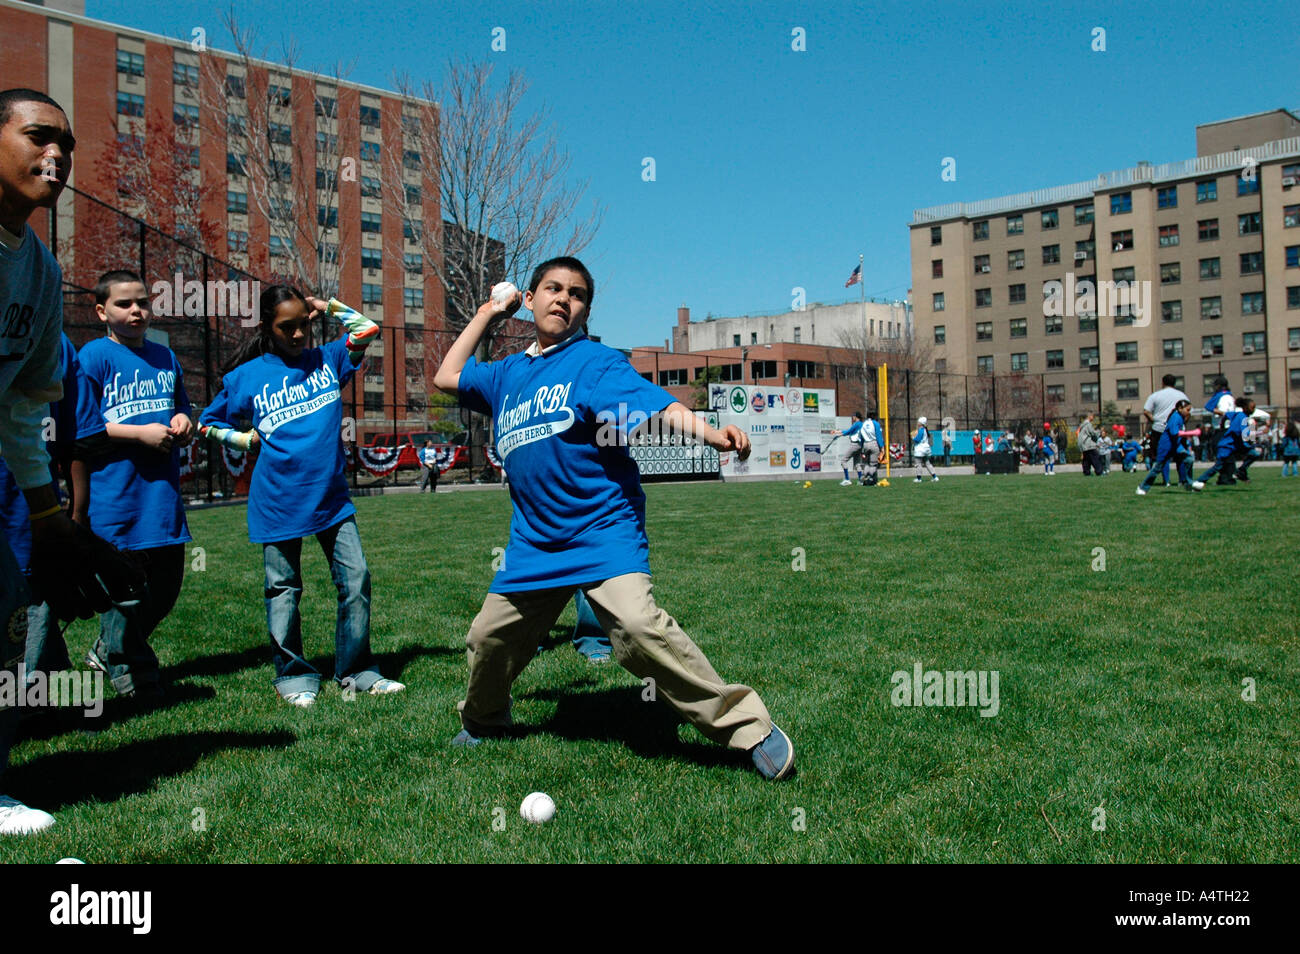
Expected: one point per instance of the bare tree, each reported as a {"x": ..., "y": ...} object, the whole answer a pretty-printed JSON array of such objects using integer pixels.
[
  {"x": 293, "y": 186},
  {"x": 903, "y": 354},
  {"x": 505, "y": 203}
]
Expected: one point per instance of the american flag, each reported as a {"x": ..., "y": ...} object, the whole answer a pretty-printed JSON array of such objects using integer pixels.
[{"x": 855, "y": 277}]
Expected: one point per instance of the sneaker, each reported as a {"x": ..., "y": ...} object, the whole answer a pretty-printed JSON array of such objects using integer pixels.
[
  {"x": 17, "y": 819},
  {"x": 1141, "y": 491},
  {"x": 386, "y": 687},
  {"x": 917, "y": 481},
  {"x": 465, "y": 740},
  {"x": 302, "y": 700},
  {"x": 94, "y": 661},
  {"x": 934, "y": 479},
  {"x": 846, "y": 482},
  {"x": 1198, "y": 485},
  {"x": 774, "y": 756}
]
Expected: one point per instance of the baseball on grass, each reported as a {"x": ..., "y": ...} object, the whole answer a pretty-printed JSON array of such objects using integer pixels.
[
  {"x": 502, "y": 292},
  {"x": 537, "y": 808}
]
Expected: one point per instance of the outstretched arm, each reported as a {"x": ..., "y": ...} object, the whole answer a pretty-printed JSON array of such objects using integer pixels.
[
  {"x": 682, "y": 419},
  {"x": 447, "y": 378}
]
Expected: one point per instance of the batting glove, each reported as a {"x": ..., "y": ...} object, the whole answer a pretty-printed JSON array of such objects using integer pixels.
[
  {"x": 239, "y": 440},
  {"x": 360, "y": 328}
]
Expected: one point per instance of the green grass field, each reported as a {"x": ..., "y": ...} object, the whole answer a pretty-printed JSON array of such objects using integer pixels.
[{"x": 1119, "y": 689}]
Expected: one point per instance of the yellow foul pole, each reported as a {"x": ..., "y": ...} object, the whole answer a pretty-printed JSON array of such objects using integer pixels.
[{"x": 882, "y": 409}]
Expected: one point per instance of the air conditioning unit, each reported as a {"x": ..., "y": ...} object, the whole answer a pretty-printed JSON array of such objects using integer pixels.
[
  {"x": 1293, "y": 346},
  {"x": 1018, "y": 265},
  {"x": 1080, "y": 256},
  {"x": 1247, "y": 349},
  {"x": 1215, "y": 312},
  {"x": 1093, "y": 363},
  {"x": 985, "y": 268},
  {"x": 132, "y": 79},
  {"x": 1207, "y": 352},
  {"x": 1288, "y": 181},
  {"x": 1248, "y": 389}
]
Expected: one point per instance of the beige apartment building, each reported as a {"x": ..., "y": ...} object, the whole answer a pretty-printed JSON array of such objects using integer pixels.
[{"x": 1210, "y": 245}]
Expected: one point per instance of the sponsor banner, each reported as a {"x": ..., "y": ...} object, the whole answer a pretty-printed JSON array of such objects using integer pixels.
[{"x": 812, "y": 458}]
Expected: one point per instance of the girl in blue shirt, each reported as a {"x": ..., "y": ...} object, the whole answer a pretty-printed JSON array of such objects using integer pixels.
[
  {"x": 291, "y": 396},
  {"x": 1049, "y": 453}
]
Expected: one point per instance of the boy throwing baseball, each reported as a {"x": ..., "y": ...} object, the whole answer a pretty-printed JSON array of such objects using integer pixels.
[{"x": 561, "y": 412}]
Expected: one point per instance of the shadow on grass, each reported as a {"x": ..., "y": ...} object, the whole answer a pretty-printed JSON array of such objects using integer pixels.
[
  {"x": 67, "y": 778},
  {"x": 220, "y": 664},
  {"x": 62, "y": 720},
  {"x": 619, "y": 715}
]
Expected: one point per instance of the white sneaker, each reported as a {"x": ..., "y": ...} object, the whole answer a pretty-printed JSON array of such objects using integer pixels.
[
  {"x": 917, "y": 481},
  {"x": 302, "y": 700},
  {"x": 846, "y": 482},
  {"x": 934, "y": 479},
  {"x": 1198, "y": 485},
  {"x": 1141, "y": 492},
  {"x": 17, "y": 819},
  {"x": 386, "y": 687}
]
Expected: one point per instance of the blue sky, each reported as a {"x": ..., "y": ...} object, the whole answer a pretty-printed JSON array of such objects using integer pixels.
[{"x": 777, "y": 168}]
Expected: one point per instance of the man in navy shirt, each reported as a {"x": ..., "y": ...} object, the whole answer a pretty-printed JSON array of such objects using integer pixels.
[{"x": 563, "y": 410}]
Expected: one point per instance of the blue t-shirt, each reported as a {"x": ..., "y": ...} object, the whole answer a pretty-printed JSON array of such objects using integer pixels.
[
  {"x": 135, "y": 495},
  {"x": 63, "y": 414},
  {"x": 298, "y": 487},
  {"x": 559, "y": 424}
]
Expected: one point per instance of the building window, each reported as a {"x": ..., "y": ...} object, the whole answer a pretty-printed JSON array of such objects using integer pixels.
[
  {"x": 1248, "y": 186},
  {"x": 1207, "y": 190},
  {"x": 327, "y": 252},
  {"x": 413, "y": 262},
  {"x": 1051, "y": 254},
  {"x": 185, "y": 74},
  {"x": 236, "y": 163},
  {"x": 1167, "y": 197},
  {"x": 1255, "y": 382},
  {"x": 1291, "y": 217},
  {"x": 1015, "y": 224},
  {"x": 1088, "y": 357},
  {"x": 983, "y": 331},
  {"x": 1252, "y": 263},
  {"x": 372, "y": 258},
  {"x": 411, "y": 159},
  {"x": 371, "y": 222},
  {"x": 1212, "y": 307},
  {"x": 235, "y": 86},
  {"x": 1207, "y": 230},
  {"x": 372, "y": 294},
  {"x": 1089, "y": 392},
  {"x": 411, "y": 230},
  {"x": 1171, "y": 311},
  {"x": 936, "y": 235},
  {"x": 281, "y": 170},
  {"x": 1121, "y": 241},
  {"x": 413, "y": 297},
  {"x": 1126, "y": 351},
  {"x": 1252, "y": 303},
  {"x": 1087, "y": 323},
  {"x": 1211, "y": 345},
  {"x": 1083, "y": 214},
  {"x": 1292, "y": 256},
  {"x": 1291, "y": 171},
  {"x": 1126, "y": 389},
  {"x": 1020, "y": 361},
  {"x": 191, "y": 154},
  {"x": 1293, "y": 296},
  {"x": 1019, "y": 327},
  {"x": 1123, "y": 274},
  {"x": 132, "y": 64},
  {"x": 370, "y": 151},
  {"x": 982, "y": 264},
  {"x": 1053, "y": 325},
  {"x": 735, "y": 340},
  {"x": 1209, "y": 268},
  {"x": 1252, "y": 342},
  {"x": 1295, "y": 379},
  {"x": 1293, "y": 339},
  {"x": 1016, "y": 294},
  {"x": 936, "y": 268},
  {"x": 940, "y": 365},
  {"x": 1085, "y": 249},
  {"x": 1171, "y": 273},
  {"x": 281, "y": 133},
  {"x": 280, "y": 247},
  {"x": 1250, "y": 223},
  {"x": 237, "y": 241},
  {"x": 940, "y": 334},
  {"x": 327, "y": 218},
  {"x": 1055, "y": 360},
  {"x": 129, "y": 104},
  {"x": 1172, "y": 349},
  {"x": 762, "y": 370},
  {"x": 1207, "y": 384},
  {"x": 797, "y": 332},
  {"x": 327, "y": 144},
  {"x": 802, "y": 369},
  {"x": 370, "y": 116},
  {"x": 1016, "y": 259},
  {"x": 371, "y": 187},
  {"x": 1055, "y": 393},
  {"x": 938, "y": 303},
  {"x": 237, "y": 202},
  {"x": 983, "y": 297},
  {"x": 1051, "y": 219},
  {"x": 413, "y": 194},
  {"x": 1168, "y": 235},
  {"x": 278, "y": 95},
  {"x": 1121, "y": 202},
  {"x": 326, "y": 106},
  {"x": 984, "y": 364},
  {"x": 980, "y": 231}
]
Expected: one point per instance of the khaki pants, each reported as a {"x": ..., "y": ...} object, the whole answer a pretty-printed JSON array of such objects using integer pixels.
[{"x": 647, "y": 642}]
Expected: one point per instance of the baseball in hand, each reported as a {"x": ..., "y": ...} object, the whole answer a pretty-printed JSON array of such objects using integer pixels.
[
  {"x": 503, "y": 292},
  {"x": 537, "y": 807}
]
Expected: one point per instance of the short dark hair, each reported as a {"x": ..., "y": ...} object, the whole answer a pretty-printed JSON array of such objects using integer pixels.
[
  {"x": 104, "y": 286},
  {"x": 10, "y": 98},
  {"x": 1220, "y": 383},
  {"x": 1169, "y": 380},
  {"x": 858, "y": 415},
  {"x": 563, "y": 261}
]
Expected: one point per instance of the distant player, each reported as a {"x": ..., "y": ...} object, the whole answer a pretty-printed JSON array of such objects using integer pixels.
[
  {"x": 1173, "y": 447},
  {"x": 1291, "y": 450},
  {"x": 1049, "y": 453},
  {"x": 921, "y": 451},
  {"x": 1232, "y": 445},
  {"x": 853, "y": 455}
]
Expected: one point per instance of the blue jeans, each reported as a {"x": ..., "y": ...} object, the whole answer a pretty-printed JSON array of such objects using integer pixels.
[
  {"x": 14, "y": 595},
  {"x": 588, "y": 637},
  {"x": 353, "y": 664},
  {"x": 1166, "y": 452},
  {"x": 124, "y": 631}
]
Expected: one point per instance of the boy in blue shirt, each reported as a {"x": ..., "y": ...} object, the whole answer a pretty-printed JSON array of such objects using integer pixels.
[
  {"x": 132, "y": 389},
  {"x": 1173, "y": 446},
  {"x": 562, "y": 411},
  {"x": 1232, "y": 445}
]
